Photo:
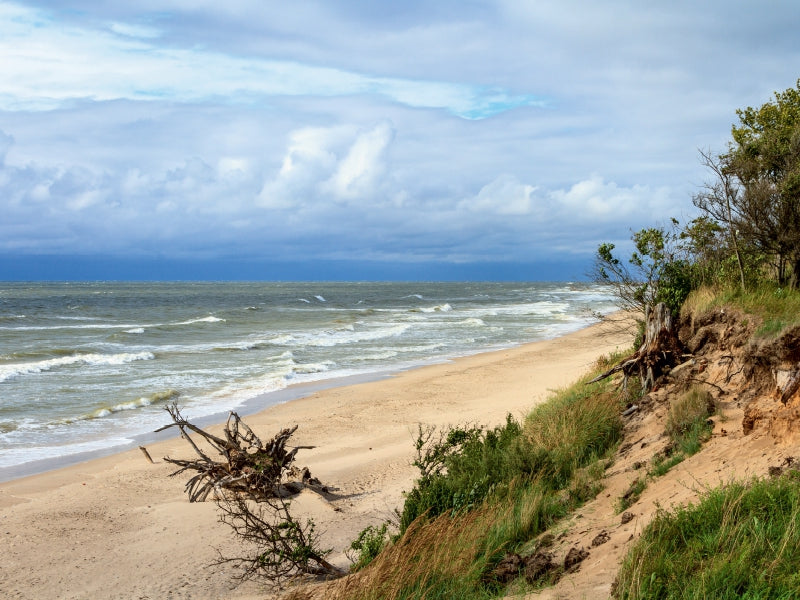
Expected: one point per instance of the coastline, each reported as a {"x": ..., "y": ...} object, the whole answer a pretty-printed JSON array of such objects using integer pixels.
[{"x": 119, "y": 527}]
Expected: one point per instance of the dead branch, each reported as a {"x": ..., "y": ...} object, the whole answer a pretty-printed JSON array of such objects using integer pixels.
[
  {"x": 250, "y": 488},
  {"x": 282, "y": 547},
  {"x": 249, "y": 465},
  {"x": 791, "y": 386}
]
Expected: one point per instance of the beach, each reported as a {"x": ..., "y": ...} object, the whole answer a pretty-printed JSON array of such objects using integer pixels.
[{"x": 120, "y": 527}]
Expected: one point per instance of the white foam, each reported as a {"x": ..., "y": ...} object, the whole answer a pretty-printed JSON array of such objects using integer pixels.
[
  {"x": 473, "y": 322},
  {"x": 320, "y": 298},
  {"x": 210, "y": 319},
  {"x": 135, "y": 330},
  {"x": 438, "y": 308},
  {"x": 348, "y": 336},
  {"x": 15, "y": 370}
]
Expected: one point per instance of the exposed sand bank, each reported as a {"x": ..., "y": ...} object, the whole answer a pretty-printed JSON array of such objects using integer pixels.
[{"x": 119, "y": 527}]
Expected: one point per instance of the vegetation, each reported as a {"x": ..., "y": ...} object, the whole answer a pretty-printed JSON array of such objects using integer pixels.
[
  {"x": 659, "y": 270},
  {"x": 775, "y": 307},
  {"x": 368, "y": 545},
  {"x": 740, "y": 541},
  {"x": 749, "y": 231},
  {"x": 461, "y": 467},
  {"x": 483, "y": 493},
  {"x": 687, "y": 421}
]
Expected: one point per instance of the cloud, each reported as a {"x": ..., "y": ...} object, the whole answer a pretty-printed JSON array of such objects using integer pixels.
[
  {"x": 596, "y": 199},
  {"x": 360, "y": 170},
  {"x": 6, "y": 141},
  {"x": 503, "y": 196},
  {"x": 329, "y": 164},
  {"x": 135, "y": 31},
  {"x": 49, "y": 65},
  {"x": 326, "y": 129}
]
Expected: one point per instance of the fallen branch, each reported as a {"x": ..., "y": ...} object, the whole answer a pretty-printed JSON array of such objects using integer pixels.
[
  {"x": 250, "y": 488},
  {"x": 250, "y": 466}
]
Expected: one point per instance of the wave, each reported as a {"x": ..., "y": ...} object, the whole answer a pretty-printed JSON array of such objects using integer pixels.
[
  {"x": 348, "y": 336},
  {"x": 135, "y": 330},
  {"x": 320, "y": 298},
  {"x": 438, "y": 308},
  {"x": 309, "y": 368},
  {"x": 105, "y": 411},
  {"x": 209, "y": 319},
  {"x": 60, "y": 327},
  {"x": 472, "y": 322},
  {"x": 15, "y": 370}
]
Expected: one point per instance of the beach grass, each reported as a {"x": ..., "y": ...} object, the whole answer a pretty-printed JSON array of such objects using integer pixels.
[
  {"x": 741, "y": 540},
  {"x": 777, "y": 308}
]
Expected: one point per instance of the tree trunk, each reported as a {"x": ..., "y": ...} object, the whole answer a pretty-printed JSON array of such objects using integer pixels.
[{"x": 660, "y": 349}]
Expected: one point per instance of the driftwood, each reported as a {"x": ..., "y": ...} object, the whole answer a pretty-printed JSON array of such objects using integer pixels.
[
  {"x": 251, "y": 485},
  {"x": 249, "y": 465},
  {"x": 660, "y": 349}
]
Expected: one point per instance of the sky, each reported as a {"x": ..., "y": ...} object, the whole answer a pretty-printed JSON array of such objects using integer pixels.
[{"x": 354, "y": 139}]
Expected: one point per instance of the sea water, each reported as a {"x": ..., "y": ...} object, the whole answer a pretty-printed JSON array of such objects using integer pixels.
[{"x": 86, "y": 367}]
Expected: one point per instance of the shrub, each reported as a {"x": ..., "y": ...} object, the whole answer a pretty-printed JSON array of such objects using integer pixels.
[{"x": 369, "y": 543}]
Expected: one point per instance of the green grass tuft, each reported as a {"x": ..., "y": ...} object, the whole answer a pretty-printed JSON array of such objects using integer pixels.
[{"x": 739, "y": 541}]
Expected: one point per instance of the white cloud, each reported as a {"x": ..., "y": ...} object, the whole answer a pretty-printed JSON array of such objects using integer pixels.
[
  {"x": 306, "y": 129},
  {"x": 135, "y": 31},
  {"x": 594, "y": 198},
  {"x": 336, "y": 163},
  {"x": 503, "y": 196},
  {"x": 359, "y": 171}
]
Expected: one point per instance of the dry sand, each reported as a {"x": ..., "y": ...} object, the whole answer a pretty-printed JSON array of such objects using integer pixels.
[{"x": 119, "y": 527}]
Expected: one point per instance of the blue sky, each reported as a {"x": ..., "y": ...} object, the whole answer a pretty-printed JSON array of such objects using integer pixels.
[{"x": 251, "y": 139}]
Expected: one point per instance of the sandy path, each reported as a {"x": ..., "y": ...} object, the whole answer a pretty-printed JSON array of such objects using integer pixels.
[{"x": 118, "y": 527}]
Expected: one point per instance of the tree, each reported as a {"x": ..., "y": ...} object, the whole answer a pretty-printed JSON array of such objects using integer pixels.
[
  {"x": 756, "y": 194},
  {"x": 657, "y": 273},
  {"x": 718, "y": 199}
]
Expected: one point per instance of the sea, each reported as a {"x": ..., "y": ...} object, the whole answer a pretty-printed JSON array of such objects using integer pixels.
[{"x": 87, "y": 368}]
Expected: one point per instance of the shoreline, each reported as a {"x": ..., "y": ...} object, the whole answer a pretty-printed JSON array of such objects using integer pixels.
[
  {"x": 251, "y": 406},
  {"x": 119, "y": 527}
]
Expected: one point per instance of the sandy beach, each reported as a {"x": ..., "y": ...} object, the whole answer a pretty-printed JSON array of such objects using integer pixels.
[{"x": 120, "y": 527}]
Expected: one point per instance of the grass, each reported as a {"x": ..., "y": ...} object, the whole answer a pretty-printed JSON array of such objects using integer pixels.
[
  {"x": 777, "y": 308},
  {"x": 484, "y": 493},
  {"x": 687, "y": 421},
  {"x": 740, "y": 541}
]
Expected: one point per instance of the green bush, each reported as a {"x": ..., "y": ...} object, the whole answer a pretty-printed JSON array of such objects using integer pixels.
[
  {"x": 461, "y": 467},
  {"x": 368, "y": 545}
]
